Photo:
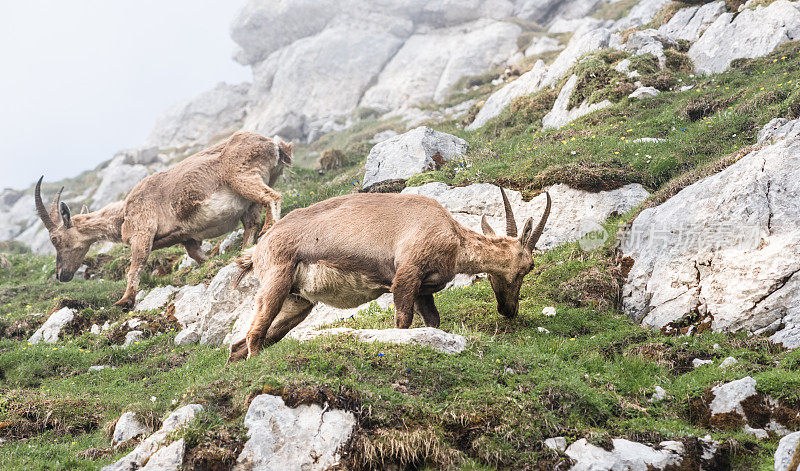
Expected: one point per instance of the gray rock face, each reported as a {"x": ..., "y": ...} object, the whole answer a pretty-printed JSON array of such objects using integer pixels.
[
  {"x": 408, "y": 154},
  {"x": 753, "y": 33},
  {"x": 648, "y": 41},
  {"x": 542, "y": 44},
  {"x": 116, "y": 181},
  {"x": 168, "y": 458},
  {"x": 127, "y": 428},
  {"x": 424, "y": 336},
  {"x": 625, "y": 455},
  {"x": 560, "y": 116},
  {"x": 579, "y": 45},
  {"x": 726, "y": 247},
  {"x": 50, "y": 330},
  {"x": 216, "y": 112},
  {"x": 576, "y": 25},
  {"x": 307, "y": 437},
  {"x": 729, "y": 396},
  {"x": 526, "y": 84},
  {"x": 156, "y": 299},
  {"x": 640, "y": 14},
  {"x": 788, "y": 450},
  {"x": 429, "y": 64},
  {"x": 574, "y": 213},
  {"x": 148, "y": 447},
  {"x": 689, "y": 23},
  {"x": 545, "y": 12}
]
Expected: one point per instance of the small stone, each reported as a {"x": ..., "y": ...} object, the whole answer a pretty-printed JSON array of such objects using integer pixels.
[
  {"x": 659, "y": 395},
  {"x": 556, "y": 443},
  {"x": 759, "y": 433},
  {"x": 549, "y": 311},
  {"x": 131, "y": 337},
  {"x": 127, "y": 428},
  {"x": 644, "y": 92},
  {"x": 51, "y": 329},
  {"x": 728, "y": 362},
  {"x": 542, "y": 330},
  {"x": 697, "y": 362},
  {"x": 95, "y": 329}
]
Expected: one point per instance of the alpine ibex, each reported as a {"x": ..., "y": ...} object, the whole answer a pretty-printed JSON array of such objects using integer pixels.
[
  {"x": 204, "y": 196},
  {"x": 349, "y": 250}
]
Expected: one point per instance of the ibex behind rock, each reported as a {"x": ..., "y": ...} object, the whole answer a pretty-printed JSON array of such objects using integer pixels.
[
  {"x": 204, "y": 196},
  {"x": 349, "y": 250}
]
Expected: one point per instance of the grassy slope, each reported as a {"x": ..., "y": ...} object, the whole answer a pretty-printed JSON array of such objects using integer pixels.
[{"x": 489, "y": 407}]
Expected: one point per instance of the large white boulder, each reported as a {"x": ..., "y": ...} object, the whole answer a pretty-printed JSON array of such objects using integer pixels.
[
  {"x": 624, "y": 455},
  {"x": 429, "y": 64},
  {"x": 788, "y": 452},
  {"x": 410, "y": 153},
  {"x": 526, "y": 84},
  {"x": 148, "y": 447},
  {"x": 726, "y": 247},
  {"x": 689, "y": 23},
  {"x": 560, "y": 116},
  {"x": 51, "y": 329},
  {"x": 195, "y": 121},
  {"x": 168, "y": 458},
  {"x": 307, "y": 437},
  {"x": 128, "y": 427},
  {"x": 751, "y": 33},
  {"x": 430, "y": 337},
  {"x": 574, "y": 213}
]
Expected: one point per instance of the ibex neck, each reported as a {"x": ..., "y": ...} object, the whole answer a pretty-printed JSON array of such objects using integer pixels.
[
  {"x": 104, "y": 224},
  {"x": 484, "y": 254}
]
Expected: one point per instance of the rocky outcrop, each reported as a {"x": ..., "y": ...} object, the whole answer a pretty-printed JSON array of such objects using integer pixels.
[
  {"x": 526, "y": 84},
  {"x": 192, "y": 122},
  {"x": 751, "y": 33},
  {"x": 307, "y": 437},
  {"x": 649, "y": 41},
  {"x": 408, "y": 154},
  {"x": 51, "y": 329},
  {"x": 116, "y": 180},
  {"x": 640, "y": 14},
  {"x": 574, "y": 213},
  {"x": 424, "y": 336},
  {"x": 168, "y": 458},
  {"x": 127, "y": 428},
  {"x": 560, "y": 116},
  {"x": 690, "y": 23},
  {"x": 542, "y": 44},
  {"x": 788, "y": 452},
  {"x": 149, "y": 447},
  {"x": 724, "y": 251},
  {"x": 156, "y": 299},
  {"x": 625, "y": 455}
]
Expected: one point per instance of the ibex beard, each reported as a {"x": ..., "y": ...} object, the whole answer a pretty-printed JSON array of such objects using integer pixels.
[
  {"x": 204, "y": 196},
  {"x": 349, "y": 250}
]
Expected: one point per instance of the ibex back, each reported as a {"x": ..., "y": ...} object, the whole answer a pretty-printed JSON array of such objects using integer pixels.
[
  {"x": 204, "y": 196},
  {"x": 351, "y": 249}
]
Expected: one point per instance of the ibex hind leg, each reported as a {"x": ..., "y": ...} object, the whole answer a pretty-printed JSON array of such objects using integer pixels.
[
  {"x": 294, "y": 311},
  {"x": 250, "y": 225},
  {"x": 405, "y": 288}
]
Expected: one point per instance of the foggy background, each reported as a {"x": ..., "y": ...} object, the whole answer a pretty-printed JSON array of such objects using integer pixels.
[{"x": 85, "y": 78}]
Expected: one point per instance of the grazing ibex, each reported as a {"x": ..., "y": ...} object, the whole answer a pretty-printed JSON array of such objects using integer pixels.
[
  {"x": 204, "y": 196},
  {"x": 349, "y": 250}
]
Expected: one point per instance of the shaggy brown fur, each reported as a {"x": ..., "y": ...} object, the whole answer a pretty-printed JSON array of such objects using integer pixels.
[
  {"x": 204, "y": 196},
  {"x": 349, "y": 250}
]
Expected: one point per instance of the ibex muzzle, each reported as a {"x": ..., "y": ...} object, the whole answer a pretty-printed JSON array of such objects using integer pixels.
[{"x": 349, "y": 250}]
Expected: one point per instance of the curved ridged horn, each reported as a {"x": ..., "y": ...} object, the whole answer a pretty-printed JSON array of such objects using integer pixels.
[
  {"x": 511, "y": 224},
  {"x": 531, "y": 243},
  {"x": 55, "y": 207},
  {"x": 43, "y": 214}
]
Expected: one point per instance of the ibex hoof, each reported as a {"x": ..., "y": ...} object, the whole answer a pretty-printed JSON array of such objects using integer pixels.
[
  {"x": 238, "y": 351},
  {"x": 125, "y": 304}
]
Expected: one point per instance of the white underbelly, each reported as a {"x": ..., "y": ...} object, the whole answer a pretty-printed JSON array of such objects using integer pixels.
[
  {"x": 341, "y": 289},
  {"x": 219, "y": 214}
]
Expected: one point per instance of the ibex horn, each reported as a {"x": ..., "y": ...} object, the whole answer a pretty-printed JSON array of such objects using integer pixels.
[
  {"x": 43, "y": 214},
  {"x": 531, "y": 243},
  {"x": 511, "y": 224}
]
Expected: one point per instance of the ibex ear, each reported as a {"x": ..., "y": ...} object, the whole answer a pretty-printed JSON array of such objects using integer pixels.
[
  {"x": 65, "y": 215},
  {"x": 84, "y": 209},
  {"x": 526, "y": 232},
  {"x": 485, "y": 227}
]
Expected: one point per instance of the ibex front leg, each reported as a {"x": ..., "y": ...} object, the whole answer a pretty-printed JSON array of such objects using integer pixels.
[
  {"x": 405, "y": 288},
  {"x": 252, "y": 187},
  {"x": 141, "y": 245}
]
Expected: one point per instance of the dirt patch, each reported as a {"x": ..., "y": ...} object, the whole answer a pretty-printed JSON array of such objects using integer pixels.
[{"x": 27, "y": 414}]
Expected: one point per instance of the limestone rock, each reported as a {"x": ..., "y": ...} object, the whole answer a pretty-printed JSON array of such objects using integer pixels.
[
  {"x": 574, "y": 213},
  {"x": 424, "y": 336},
  {"x": 168, "y": 458},
  {"x": 231, "y": 240},
  {"x": 644, "y": 92},
  {"x": 542, "y": 44},
  {"x": 50, "y": 330},
  {"x": 727, "y": 246},
  {"x": 728, "y": 362},
  {"x": 156, "y": 299},
  {"x": 556, "y": 443},
  {"x": 787, "y": 452},
  {"x": 127, "y": 428},
  {"x": 526, "y": 84},
  {"x": 307, "y": 437},
  {"x": 690, "y": 23},
  {"x": 729, "y": 396},
  {"x": 545, "y": 12},
  {"x": 625, "y": 455},
  {"x": 560, "y": 116},
  {"x": 415, "y": 151},
  {"x": 150, "y": 445},
  {"x": 640, "y": 14},
  {"x": 777, "y": 129},
  {"x": 195, "y": 121},
  {"x": 564, "y": 25},
  {"x": 116, "y": 180},
  {"x": 752, "y": 33},
  {"x": 648, "y": 41},
  {"x": 578, "y": 46}
]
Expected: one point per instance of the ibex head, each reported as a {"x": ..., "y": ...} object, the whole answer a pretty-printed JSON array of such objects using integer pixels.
[
  {"x": 506, "y": 280},
  {"x": 71, "y": 246}
]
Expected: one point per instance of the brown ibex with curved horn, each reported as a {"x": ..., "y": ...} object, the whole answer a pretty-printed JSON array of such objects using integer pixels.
[
  {"x": 349, "y": 250},
  {"x": 203, "y": 196}
]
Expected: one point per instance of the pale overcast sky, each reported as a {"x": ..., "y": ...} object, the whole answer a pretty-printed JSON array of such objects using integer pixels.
[{"x": 81, "y": 79}]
